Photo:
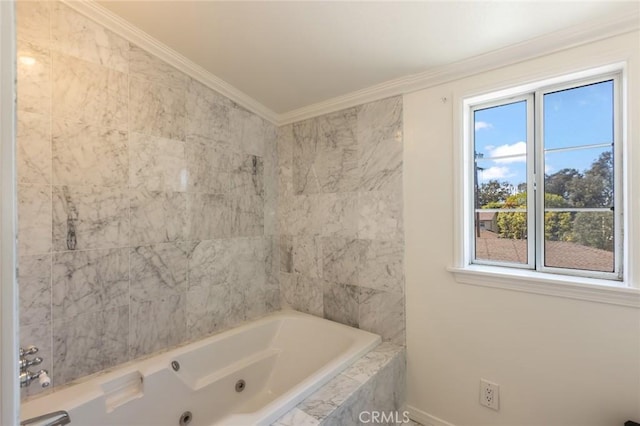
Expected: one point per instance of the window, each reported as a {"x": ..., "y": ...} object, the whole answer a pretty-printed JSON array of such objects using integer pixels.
[{"x": 546, "y": 180}]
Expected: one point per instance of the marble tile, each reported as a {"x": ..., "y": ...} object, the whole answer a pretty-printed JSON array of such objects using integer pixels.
[
  {"x": 87, "y": 155},
  {"x": 158, "y": 271},
  {"x": 270, "y": 182},
  {"x": 33, "y": 77},
  {"x": 208, "y": 164},
  {"x": 348, "y": 413},
  {"x": 208, "y": 309},
  {"x": 157, "y": 217},
  {"x": 90, "y": 217},
  {"x": 207, "y": 113},
  {"x": 33, "y": 21},
  {"x": 302, "y": 216},
  {"x": 339, "y": 214},
  {"x": 325, "y": 154},
  {"x": 34, "y": 281},
  {"x": 74, "y": 34},
  {"x": 340, "y": 259},
  {"x": 33, "y": 148},
  {"x": 296, "y": 417},
  {"x": 248, "y": 264},
  {"x": 246, "y": 131},
  {"x": 89, "y": 93},
  {"x": 306, "y": 295},
  {"x": 208, "y": 216},
  {"x": 323, "y": 214},
  {"x": 272, "y": 260},
  {"x": 157, "y": 324},
  {"x": 381, "y": 266},
  {"x": 143, "y": 65},
  {"x": 287, "y": 283},
  {"x": 329, "y": 397},
  {"x": 340, "y": 303},
  {"x": 89, "y": 343},
  {"x": 369, "y": 365},
  {"x": 380, "y": 140},
  {"x": 382, "y": 313},
  {"x": 255, "y": 302},
  {"x": 285, "y": 185},
  {"x": 34, "y": 219},
  {"x": 39, "y": 335},
  {"x": 157, "y": 110},
  {"x": 304, "y": 150},
  {"x": 247, "y": 215},
  {"x": 89, "y": 281},
  {"x": 272, "y": 298},
  {"x": 247, "y": 175},
  {"x": 380, "y": 216},
  {"x": 286, "y": 253},
  {"x": 210, "y": 263},
  {"x": 284, "y": 145},
  {"x": 307, "y": 256},
  {"x": 158, "y": 164}
]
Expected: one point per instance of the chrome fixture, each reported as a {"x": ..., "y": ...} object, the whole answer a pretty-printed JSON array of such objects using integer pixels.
[
  {"x": 26, "y": 376},
  {"x": 58, "y": 418}
]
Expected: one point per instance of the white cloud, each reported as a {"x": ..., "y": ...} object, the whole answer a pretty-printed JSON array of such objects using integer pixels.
[
  {"x": 518, "y": 148},
  {"x": 482, "y": 125},
  {"x": 495, "y": 172},
  {"x": 548, "y": 168}
]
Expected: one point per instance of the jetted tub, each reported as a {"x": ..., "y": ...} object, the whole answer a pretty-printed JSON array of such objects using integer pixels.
[{"x": 250, "y": 375}]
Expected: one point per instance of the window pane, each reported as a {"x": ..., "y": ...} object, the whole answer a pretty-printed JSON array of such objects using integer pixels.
[
  {"x": 579, "y": 178},
  {"x": 579, "y": 116},
  {"x": 500, "y": 176},
  {"x": 579, "y": 240}
]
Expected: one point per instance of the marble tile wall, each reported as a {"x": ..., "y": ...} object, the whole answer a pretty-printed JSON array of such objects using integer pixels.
[
  {"x": 147, "y": 201},
  {"x": 340, "y": 213},
  {"x": 376, "y": 382}
]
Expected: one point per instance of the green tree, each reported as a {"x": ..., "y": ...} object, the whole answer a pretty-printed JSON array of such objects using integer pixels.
[
  {"x": 557, "y": 225},
  {"x": 513, "y": 225},
  {"x": 559, "y": 183},
  {"x": 494, "y": 191},
  {"x": 594, "y": 229},
  {"x": 595, "y": 187}
]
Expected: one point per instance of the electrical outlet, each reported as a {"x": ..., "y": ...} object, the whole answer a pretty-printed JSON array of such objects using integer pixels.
[{"x": 489, "y": 394}]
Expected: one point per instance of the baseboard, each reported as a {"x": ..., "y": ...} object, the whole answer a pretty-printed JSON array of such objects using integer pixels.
[{"x": 425, "y": 418}]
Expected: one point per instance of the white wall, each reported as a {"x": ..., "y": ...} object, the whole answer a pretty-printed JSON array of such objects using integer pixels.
[{"x": 558, "y": 361}]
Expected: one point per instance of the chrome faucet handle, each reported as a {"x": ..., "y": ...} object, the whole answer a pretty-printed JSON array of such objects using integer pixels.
[
  {"x": 31, "y": 350},
  {"x": 26, "y": 363},
  {"x": 26, "y": 377},
  {"x": 57, "y": 418}
]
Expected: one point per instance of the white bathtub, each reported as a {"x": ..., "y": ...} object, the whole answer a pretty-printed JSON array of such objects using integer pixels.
[{"x": 282, "y": 358}]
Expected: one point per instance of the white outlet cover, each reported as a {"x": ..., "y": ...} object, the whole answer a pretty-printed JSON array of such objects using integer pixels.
[{"x": 489, "y": 394}]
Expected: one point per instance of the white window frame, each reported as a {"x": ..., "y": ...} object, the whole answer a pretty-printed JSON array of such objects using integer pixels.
[
  {"x": 534, "y": 101},
  {"x": 531, "y": 241},
  {"x": 623, "y": 293}
]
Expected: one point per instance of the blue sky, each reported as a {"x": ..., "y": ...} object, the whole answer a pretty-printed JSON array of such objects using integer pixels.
[{"x": 576, "y": 117}]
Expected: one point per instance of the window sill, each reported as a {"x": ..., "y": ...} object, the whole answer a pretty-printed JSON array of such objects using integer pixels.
[{"x": 594, "y": 290}]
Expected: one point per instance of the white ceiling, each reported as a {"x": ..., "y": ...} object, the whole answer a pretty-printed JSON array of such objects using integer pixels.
[{"x": 288, "y": 55}]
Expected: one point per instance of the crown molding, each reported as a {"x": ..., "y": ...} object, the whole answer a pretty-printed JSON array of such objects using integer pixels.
[
  {"x": 567, "y": 38},
  {"x": 125, "y": 29}
]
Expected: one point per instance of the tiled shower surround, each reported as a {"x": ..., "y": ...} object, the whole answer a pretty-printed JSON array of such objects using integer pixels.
[
  {"x": 154, "y": 211},
  {"x": 340, "y": 205}
]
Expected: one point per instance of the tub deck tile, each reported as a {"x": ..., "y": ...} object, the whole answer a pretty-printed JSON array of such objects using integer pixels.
[
  {"x": 296, "y": 417},
  {"x": 329, "y": 397},
  {"x": 369, "y": 365},
  {"x": 370, "y": 382}
]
